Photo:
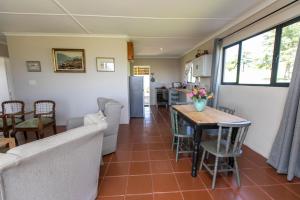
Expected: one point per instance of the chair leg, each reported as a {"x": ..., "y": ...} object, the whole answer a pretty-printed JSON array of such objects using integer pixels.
[
  {"x": 215, "y": 174},
  {"x": 41, "y": 133},
  {"x": 207, "y": 156},
  {"x": 177, "y": 148},
  {"x": 173, "y": 141},
  {"x": 202, "y": 159},
  {"x": 13, "y": 134},
  {"x": 25, "y": 135},
  {"x": 54, "y": 129},
  {"x": 5, "y": 133},
  {"x": 237, "y": 173},
  {"x": 37, "y": 135}
]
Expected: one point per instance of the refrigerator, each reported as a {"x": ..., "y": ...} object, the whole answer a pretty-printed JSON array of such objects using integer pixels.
[{"x": 136, "y": 96}]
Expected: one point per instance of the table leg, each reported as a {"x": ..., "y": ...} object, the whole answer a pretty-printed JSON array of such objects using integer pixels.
[
  {"x": 197, "y": 141},
  {"x": 234, "y": 133}
]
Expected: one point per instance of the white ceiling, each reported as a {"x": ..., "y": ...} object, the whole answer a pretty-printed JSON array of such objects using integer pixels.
[{"x": 176, "y": 26}]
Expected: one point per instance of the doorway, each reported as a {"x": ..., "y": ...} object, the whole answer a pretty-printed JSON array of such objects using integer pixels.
[
  {"x": 144, "y": 71},
  {"x": 4, "y": 88}
]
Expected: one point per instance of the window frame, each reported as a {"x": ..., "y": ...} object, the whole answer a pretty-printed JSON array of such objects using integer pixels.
[{"x": 275, "y": 60}]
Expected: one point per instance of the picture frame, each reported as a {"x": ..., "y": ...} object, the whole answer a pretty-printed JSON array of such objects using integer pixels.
[
  {"x": 33, "y": 66},
  {"x": 69, "y": 60},
  {"x": 105, "y": 64}
]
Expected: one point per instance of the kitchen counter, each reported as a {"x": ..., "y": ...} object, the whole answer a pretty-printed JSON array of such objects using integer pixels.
[
  {"x": 183, "y": 90},
  {"x": 182, "y": 96}
]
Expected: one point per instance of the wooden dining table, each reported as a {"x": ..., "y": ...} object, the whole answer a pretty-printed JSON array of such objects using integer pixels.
[{"x": 207, "y": 119}]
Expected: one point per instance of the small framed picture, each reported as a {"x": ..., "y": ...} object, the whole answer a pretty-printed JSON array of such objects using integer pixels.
[
  {"x": 68, "y": 60},
  {"x": 33, "y": 66},
  {"x": 105, "y": 64}
]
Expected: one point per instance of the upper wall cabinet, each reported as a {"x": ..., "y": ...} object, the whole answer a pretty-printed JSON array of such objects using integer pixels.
[{"x": 202, "y": 66}]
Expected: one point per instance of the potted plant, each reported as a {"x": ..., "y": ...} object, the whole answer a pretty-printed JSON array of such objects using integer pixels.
[{"x": 200, "y": 97}]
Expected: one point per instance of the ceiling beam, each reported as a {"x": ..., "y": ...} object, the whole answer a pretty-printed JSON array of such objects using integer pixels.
[{"x": 70, "y": 14}]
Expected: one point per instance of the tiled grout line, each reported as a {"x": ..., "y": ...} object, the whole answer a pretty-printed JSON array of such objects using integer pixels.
[
  {"x": 127, "y": 179},
  {"x": 259, "y": 187},
  {"x": 104, "y": 174},
  {"x": 205, "y": 186},
  {"x": 151, "y": 174},
  {"x": 285, "y": 185},
  {"x": 178, "y": 185}
]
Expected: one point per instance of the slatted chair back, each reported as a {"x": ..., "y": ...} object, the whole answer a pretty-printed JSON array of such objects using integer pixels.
[
  {"x": 174, "y": 121},
  {"x": 45, "y": 108},
  {"x": 14, "y": 107},
  {"x": 228, "y": 145},
  {"x": 226, "y": 109}
]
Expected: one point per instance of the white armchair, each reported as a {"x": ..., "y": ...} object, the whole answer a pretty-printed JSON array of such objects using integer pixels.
[{"x": 112, "y": 111}]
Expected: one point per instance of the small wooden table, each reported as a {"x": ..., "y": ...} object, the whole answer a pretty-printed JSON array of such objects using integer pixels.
[
  {"x": 10, "y": 142},
  {"x": 207, "y": 119}
]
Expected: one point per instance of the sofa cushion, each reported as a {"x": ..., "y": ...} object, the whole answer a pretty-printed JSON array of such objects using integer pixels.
[
  {"x": 33, "y": 123},
  {"x": 94, "y": 118}
]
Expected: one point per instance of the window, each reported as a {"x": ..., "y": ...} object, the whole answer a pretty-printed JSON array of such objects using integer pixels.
[
  {"x": 141, "y": 70},
  {"x": 264, "y": 59},
  {"x": 256, "y": 59},
  {"x": 231, "y": 55},
  {"x": 288, "y": 47},
  {"x": 189, "y": 72}
]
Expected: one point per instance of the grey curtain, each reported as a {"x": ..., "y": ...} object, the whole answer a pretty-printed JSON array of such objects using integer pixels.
[
  {"x": 285, "y": 153},
  {"x": 215, "y": 71}
]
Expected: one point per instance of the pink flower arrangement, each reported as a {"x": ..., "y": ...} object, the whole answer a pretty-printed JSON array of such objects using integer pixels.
[{"x": 198, "y": 94}]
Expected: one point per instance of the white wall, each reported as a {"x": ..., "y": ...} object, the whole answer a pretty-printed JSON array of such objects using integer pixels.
[
  {"x": 166, "y": 71},
  {"x": 4, "y": 91},
  {"x": 74, "y": 93},
  {"x": 263, "y": 106}
]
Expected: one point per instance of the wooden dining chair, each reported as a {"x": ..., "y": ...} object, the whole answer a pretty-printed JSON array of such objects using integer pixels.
[
  {"x": 7, "y": 121},
  {"x": 181, "y": 137},
  {"x": 226, "y": 146},
  {"x": 43, "y": 117}
]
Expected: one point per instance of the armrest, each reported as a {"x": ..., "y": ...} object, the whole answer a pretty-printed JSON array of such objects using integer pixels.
[
  {"x": 74, "y": 123},
  {"x": 19, "y": 114}
]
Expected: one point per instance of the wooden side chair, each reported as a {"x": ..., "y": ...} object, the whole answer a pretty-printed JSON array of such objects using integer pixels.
[
  {"x": 7, "y": 121},
  {"x": 225, "y": 146},
  {"x": 181, "y": 137},
  {"x": 43, "y": 117}
]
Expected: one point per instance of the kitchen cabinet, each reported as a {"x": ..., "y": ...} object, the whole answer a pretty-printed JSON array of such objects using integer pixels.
[{"x": 202, "y": 66}]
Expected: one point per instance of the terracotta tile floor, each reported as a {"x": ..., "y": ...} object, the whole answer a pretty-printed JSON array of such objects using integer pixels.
[{"x": 144, "y": 168}]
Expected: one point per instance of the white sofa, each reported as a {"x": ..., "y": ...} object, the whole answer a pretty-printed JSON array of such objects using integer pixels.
[
  {"x": 65, "y": 166},
  {"x": 112, "y": 111}
]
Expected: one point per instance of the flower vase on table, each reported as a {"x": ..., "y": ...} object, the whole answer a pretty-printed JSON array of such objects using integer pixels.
[
  {"x": 200, "y": 97},
  {"x": 200, "y": 104}
]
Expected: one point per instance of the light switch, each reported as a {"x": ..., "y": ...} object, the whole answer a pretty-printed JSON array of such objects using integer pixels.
[{"x": 32, "y": 82}]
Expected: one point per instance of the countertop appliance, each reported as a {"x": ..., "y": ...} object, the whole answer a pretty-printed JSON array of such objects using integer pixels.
[
  {"x": 176, "y": 84},
  {"x": 136, "y": 95}
]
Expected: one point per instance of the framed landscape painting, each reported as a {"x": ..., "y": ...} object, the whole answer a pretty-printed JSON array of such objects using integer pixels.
[{"x": 68, "y": 60}]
